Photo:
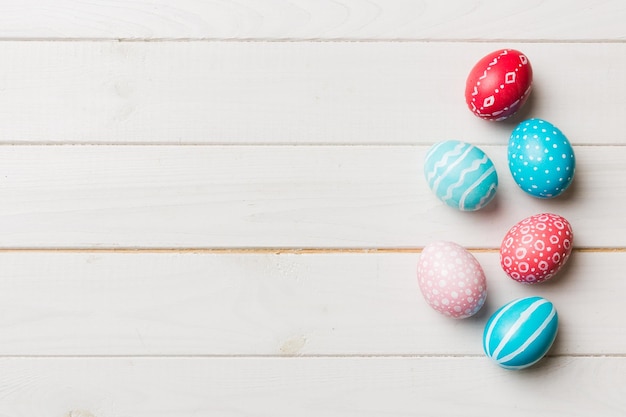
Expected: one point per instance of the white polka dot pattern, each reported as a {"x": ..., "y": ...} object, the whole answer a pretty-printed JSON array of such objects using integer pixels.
[
  {"x": 451, "y": 280},
  {"x": 541, "y": 159},
  {"x": 536, "y": 248}
]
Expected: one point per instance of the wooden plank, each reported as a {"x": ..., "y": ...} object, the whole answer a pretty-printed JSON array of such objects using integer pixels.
[
  {"x": 310, "y": 387},
  {"x": 283, "y": 92},
  {"x": 278, "y": 305},
  {"x": 276, "y": 196},
  {"x": 312, "y": 19}
]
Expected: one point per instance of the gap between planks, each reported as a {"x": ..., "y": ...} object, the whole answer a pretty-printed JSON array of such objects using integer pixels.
[
  {"x": 312, "y": 40},
  {"x": 304, "y": 356},
  {"x": 274, "y": 251},
  {"x": 219, "y": 144}
]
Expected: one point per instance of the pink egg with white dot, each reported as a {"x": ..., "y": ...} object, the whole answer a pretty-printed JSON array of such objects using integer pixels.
[{"x": 451, "y": 280}]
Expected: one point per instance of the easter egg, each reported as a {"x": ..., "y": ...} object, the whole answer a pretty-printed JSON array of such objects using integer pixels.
[
  {"x": 541, "y": 159},
  {"x": 451, "y": 280},
  {"x": 461, "y": 175},
  {"x": 499, "y": 84},
  {"x": 521, "y": 332},
  {"x": 536, "y": 248}
]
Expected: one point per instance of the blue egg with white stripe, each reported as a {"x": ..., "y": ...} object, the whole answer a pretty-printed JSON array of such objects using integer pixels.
[
  {"x": 461, "y": 175},
  {"x": 521, "y": 332}
]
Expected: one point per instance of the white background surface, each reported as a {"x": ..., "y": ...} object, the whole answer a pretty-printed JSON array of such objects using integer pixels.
[{"x": 216, "y": 208}]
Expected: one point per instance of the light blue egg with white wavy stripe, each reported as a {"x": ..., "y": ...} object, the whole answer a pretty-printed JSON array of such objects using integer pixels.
[
  {"x": 521, "y": 332},
  {"x": 461, "y": 175}
]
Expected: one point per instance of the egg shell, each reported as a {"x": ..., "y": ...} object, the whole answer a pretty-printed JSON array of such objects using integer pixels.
[
  {"x": 451, "y": 280},
  {"x": 521, "y": 332},
  {"x": 536, "y": 248},
  {"x": 541, "y": 159},
  {"x": 461, "y": 175},
  {"x": 499, "y": 84}
]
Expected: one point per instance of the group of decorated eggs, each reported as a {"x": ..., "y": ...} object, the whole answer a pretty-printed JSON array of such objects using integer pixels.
[{"x": 542, "y": 163}]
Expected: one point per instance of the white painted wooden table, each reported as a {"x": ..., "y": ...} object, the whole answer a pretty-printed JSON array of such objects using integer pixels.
[{"x": 216, "y": 208}]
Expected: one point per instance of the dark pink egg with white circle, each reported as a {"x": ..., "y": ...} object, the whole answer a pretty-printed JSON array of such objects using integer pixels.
[
  {"x": 499, "y": 84},
  {"x": 536, "y": 248},
  {"x": 451, "y": 280}
]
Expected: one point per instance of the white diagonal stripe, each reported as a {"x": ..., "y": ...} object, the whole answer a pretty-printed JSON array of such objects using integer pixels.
[
  {"x": 531, "y": 339},
  {"x": 476, "y": 184},
  {"x": 477, "y": 163},
  {"x": 524, "y": 316},
  {"x": 492, "y": 187},
  {"x": 495, "y": 320}
]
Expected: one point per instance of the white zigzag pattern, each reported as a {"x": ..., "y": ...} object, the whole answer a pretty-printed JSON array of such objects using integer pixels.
[
  {"x": 492, "y": 187},
  {"x": 471, "y": 188},
  {"x": 450, "y": 167},
  {"x": 477, "y": 163},
  {"x": 444, "y": 159}
]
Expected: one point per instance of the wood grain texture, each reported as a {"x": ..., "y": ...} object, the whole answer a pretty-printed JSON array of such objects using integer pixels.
[
  {"x": 276, "y": 196},
  {"x": 292, "y": 93},
  {"x": 312, "y": 19},
  {"x": 278, "y": 305},
  {"x": 105, "y": 387},
  {"x": 217, "y": 132}
]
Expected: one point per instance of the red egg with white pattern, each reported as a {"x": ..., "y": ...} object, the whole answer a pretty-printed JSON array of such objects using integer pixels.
[
  {"x": 499, "y": 84},
  {"x": 536, "y": 248}
]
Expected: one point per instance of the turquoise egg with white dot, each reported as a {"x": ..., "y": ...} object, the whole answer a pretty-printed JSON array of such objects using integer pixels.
[{"x": 541, "y": 158}]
